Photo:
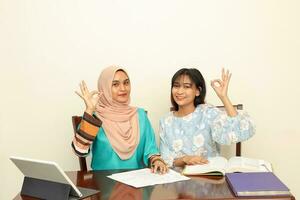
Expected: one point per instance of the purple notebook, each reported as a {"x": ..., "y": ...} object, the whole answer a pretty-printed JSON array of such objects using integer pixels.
[{"x": 256, "y": 184}]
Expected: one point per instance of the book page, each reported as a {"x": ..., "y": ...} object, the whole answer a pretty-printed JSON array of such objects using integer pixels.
[
  {"x": 243, "y": 164},
  {"x": 215, "y": 166}
]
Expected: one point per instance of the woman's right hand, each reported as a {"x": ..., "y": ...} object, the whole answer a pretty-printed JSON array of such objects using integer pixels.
[
  {"x": 194, "y": 160},
  {"x": 90, "y": 98}
]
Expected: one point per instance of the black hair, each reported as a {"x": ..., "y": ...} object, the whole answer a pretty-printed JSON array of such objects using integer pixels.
[{"x": 197, "y": 79}]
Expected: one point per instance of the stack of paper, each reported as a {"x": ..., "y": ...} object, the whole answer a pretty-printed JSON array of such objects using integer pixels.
[{"x": 144, "y": 177}]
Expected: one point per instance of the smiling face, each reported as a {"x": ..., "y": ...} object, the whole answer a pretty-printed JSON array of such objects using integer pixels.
[
  {"x": 120, "y": 88},
  {"x": 184, "y": 91}
]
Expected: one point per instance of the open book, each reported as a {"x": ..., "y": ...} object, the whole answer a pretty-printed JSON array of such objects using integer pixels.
[{"x": 220, "y": 165}]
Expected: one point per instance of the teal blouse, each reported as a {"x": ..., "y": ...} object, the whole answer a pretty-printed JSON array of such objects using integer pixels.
[{"x": 105, "y": 158}]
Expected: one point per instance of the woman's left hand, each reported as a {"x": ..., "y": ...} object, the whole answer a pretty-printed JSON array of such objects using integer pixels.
[
  {"x": 221, "y": 85},
  {"x": 159, "y": 166}
]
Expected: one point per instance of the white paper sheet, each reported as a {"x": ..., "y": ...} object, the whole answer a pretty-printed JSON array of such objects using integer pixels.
[{"x": 144, "y": 177}]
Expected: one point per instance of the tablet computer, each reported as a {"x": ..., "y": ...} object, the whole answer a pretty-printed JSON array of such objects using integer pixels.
[{"x": 50, "y": 171}]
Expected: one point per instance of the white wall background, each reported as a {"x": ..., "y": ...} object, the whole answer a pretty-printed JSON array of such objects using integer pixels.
[{"x": 47, "y": 47}]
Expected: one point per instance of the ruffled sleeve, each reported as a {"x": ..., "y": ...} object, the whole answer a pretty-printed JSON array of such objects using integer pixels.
[
  {"x": 226, "y": 130},
  {"x": 167, "y": 155},
  {"x": 85, "y": 134}
]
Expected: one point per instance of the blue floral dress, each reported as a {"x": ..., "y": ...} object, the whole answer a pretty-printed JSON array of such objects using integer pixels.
[{"x": 201, "y": 132}]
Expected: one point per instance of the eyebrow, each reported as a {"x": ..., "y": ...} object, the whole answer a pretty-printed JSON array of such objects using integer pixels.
[
  {"x": 118, "y": 81},
  {"x": 183, "y": 83}
]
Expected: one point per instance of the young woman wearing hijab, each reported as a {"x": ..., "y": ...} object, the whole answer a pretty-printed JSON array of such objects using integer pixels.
[
  {"x": 194, "y": 130},
  {"x": 121, "y": 135}
]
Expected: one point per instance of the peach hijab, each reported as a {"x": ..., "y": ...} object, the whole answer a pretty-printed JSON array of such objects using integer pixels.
[{"x": 119, "y": 120}]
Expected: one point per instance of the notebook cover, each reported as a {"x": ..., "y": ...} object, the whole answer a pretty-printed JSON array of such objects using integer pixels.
[{"x": 256, "y": 183}]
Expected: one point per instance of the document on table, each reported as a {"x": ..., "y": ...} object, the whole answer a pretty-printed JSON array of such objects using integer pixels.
[{"x": 144, "y": 177}]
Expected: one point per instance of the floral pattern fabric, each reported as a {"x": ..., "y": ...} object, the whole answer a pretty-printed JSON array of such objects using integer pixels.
[{"x": 201, "y": 132}]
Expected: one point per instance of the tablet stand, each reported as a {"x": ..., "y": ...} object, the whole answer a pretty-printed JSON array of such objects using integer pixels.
[{"x": 45, "y": 189}]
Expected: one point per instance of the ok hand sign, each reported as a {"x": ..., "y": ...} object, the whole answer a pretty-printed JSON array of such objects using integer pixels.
[
  {"x": 221, "y": 85},
  {"x": 90, "y": 98}
]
